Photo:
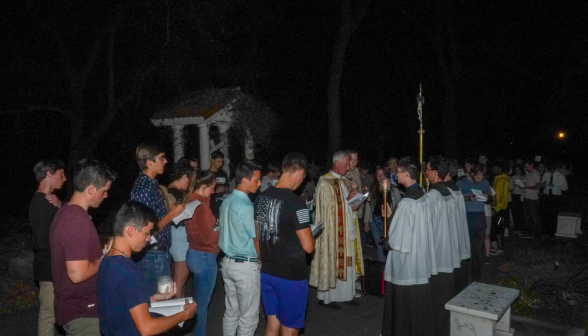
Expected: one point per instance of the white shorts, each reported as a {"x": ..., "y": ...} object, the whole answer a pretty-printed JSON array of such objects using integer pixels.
[{"x": 179, "y": 245}]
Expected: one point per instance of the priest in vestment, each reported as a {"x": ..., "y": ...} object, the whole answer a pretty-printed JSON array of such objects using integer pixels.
[
  {"x": 411, "y": 261},
  {"x": 338, "y": 259},
  {"x": 461, "y": 223}
]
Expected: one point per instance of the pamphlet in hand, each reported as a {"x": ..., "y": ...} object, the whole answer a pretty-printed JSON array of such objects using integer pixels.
[
  {"x": 188, "y": 212},
  {"x": 519, "y": 183},
  {"x": 358, "y": 199},
  {"x": 317, "y": 228},
  {"x": 169, "y": 307},
  {"x": 479, "y": 195}
]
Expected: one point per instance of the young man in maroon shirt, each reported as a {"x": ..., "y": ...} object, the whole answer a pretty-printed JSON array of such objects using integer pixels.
[{"x": 76, "y": 251}]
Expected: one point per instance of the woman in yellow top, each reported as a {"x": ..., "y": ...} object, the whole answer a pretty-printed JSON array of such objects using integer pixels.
[{"x": 500, "y": 206}]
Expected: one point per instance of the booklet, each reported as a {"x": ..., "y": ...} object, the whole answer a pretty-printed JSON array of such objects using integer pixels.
[
  {"x": 317, "y": 228},
  {"x": 169, "y": 307},
  {"x": 479, "y": 195},
  {"x": 358, "y": 199},
  {"x": 188, "y": 212},
  {"x": 519, "y": 183}
]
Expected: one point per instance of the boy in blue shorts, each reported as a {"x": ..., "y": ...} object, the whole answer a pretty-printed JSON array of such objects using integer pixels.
[{"x": 283, "y": 230}]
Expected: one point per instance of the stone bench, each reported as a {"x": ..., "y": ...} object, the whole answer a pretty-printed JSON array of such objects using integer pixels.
[
  {"x": 482, "y": 310},
  {"x": 569, "y": 225}
]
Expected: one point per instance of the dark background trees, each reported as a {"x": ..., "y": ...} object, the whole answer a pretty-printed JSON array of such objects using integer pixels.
[{"x": 81, "y": 79}]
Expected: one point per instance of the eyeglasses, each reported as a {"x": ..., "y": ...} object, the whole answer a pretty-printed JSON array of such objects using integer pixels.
[{"x": 161, "y": 158}]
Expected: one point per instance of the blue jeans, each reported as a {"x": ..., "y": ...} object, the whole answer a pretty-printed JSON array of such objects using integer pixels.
[
  {"x": 377, "y": 230},
  {"x": 204, "y": 267},
  {"x": 154, "y": 264}
]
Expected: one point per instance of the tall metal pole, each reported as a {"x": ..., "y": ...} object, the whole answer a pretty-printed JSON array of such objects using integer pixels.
[{"x": 421, "y": 131}]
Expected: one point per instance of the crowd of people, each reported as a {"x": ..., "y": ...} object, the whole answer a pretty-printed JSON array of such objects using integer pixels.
[{"x": 432, "y": 237}]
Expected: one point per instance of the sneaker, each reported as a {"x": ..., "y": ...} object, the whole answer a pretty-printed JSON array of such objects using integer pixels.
[
  {"x": 357, "y": 294},
  {"x": 496, "y": 252}
]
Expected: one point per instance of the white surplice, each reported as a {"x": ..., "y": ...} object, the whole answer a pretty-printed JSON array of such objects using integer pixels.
[
  {"x": 412, "y": 258},
  {"x": 441, "y": 232}
]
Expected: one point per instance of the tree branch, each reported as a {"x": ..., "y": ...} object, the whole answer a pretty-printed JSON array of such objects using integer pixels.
[
  {"x": 359, "y": 13},
  {"x": 35, "y": 108}
]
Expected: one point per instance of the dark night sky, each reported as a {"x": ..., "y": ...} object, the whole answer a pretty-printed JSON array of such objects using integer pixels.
[{"x": 515, "y": 56}]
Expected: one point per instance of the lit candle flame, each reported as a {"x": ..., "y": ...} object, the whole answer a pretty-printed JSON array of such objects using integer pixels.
[{"x": 385, "y": 184}]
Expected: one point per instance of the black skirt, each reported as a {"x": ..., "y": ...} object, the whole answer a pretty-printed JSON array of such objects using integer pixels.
[
  {"x": 443, "y": 290},
  {"x": 408, "y": 311}
]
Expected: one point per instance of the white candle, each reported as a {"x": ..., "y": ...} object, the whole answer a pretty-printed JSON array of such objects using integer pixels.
[{"x": 163, "y": 283}]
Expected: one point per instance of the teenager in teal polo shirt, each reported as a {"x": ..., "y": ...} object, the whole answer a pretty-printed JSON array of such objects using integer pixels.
[{"x": 240, "y": 267}]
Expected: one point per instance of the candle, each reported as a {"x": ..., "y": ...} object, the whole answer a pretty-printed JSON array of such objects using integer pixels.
[
  {"x": 163, "y": 283},
  {"x": 385, "y": 184}
]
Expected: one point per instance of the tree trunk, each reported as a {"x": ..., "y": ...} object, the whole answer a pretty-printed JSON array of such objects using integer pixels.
[
  {"x": 349, "y": 21},
  {"x": 335, "y": 75}
]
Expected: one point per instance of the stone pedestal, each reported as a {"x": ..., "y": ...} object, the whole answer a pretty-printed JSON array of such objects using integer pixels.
[
  {"x": 569, "y": 225},
  {"x": 482, "y": 310}
]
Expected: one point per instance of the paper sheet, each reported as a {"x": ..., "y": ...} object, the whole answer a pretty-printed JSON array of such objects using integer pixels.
[
  {"x": 358, "y": 199},
  {"x": 479, "y": 195},
  {"x": 188, "y": 211},
  {"x": 169, "y": 307},
  {"x": 317, "y": 228},
  {"x": 519, "y": 183}
]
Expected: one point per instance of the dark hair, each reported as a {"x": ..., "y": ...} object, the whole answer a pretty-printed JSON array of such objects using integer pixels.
[
  {"x": 478, "y": 168},
  {"x": 146, "y": 152},
  {"x": 274, "y": 167},
  {"x": 351, "y": 151},
  {"x": 133, "y": 214},
  {"x": 245, "y": 169},
  {"x": 530, "y": 162},
  {"x": 204, "y": 178},
  {"x": 436, "y": 163},
  {"x": 217, "y": 155},
  {"x": 181, "y": 168},
  {"x": 364, "y": 164},
  {"x": 453, "y": 167},
  {"x": 294, "y": 162},
  {"x": 92, "y": 172},
  {"x": 44, "y": 166},
  {"x": 522, "y": 169},
  {"x": 469, "y": 161},
  {"x": 409, "y": 165},
  {"x": 559, "y": 165}
]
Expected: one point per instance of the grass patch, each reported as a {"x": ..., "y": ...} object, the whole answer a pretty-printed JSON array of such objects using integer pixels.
[{"x": 552, "y": 275}]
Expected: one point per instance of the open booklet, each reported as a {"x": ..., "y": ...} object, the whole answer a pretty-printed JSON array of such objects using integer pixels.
[
  {"x": 169, "y": 307},
  {"x": 317, "y": 228},
  {"x": 479, "y": 195},
  {"x": 188, "y": 211},
  {"x": 358, "y": 199}
]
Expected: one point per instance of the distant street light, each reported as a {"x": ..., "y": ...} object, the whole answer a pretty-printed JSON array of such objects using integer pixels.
[{"x": 561, "y": 135}]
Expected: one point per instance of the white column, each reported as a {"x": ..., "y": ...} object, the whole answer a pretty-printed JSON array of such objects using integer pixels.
[
  {"x": 223, "y": 127},
  {"x": 249, "y": 145},
  {"x": 178, "y": 142},
  {"x": 204, "y": 146}
]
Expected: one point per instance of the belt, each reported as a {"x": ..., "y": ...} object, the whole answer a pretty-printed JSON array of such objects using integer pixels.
[{"x": 242, "y": 259}]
